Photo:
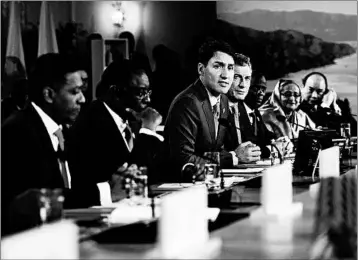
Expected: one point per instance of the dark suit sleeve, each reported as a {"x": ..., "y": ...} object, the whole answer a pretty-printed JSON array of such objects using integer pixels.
[
  {"x": 145, "y": 149},
  {"x": 183, "y": 129}
]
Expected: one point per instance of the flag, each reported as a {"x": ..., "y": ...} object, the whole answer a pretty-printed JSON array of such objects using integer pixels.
[
  {"x": 47, "y": 31},
  {"x": 14, "y": 45}
]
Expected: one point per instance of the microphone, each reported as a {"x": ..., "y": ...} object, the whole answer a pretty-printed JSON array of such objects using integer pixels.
[{"x": 283, "y": 119}]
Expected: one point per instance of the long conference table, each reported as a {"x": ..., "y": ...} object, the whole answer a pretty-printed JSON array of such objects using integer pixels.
[{"x": 247, "y": 238}]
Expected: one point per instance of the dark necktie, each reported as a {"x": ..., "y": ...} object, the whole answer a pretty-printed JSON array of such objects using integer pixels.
[
  {"x": 216, "y": 113},
  {"x": 254, "y": 122},
  {"x": 235, "y": 111},
  {"x": 128, "y": 136},
  {"x": 61, "y": 150}
]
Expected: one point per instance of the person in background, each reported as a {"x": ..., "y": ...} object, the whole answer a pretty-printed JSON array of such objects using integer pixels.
[
  {"x": 249, "y": 127},
  {"x": 141, "y": 60},
  {"x": 165, "y": 86},
  {"x": 281, "y": 112},
  {"x": 194, "y": 125},
  {"x": 257, "y": 90},
  {"x": 104, "y": 135},
  {"x": 319, "y": 101},
  {"x": 13, "y": 71},
  {"x": 17, "y": 100},
  {"x": 33, "y": 148}
]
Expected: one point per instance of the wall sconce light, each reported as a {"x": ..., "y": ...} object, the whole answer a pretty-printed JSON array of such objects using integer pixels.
[{"x": 118, "y": 16}]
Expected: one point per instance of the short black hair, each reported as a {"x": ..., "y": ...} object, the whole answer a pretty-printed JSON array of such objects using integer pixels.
[
  {"x": 316, "y": 73},
  {"x": 242, "y": 60},
  {"x": 50, "y": 71},
  {"x": 210, "y": 46}
]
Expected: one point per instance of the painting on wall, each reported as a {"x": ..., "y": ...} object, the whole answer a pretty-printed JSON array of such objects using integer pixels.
[{"x": 292, "y": 38}]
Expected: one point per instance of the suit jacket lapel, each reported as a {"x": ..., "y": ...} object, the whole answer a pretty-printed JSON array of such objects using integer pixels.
[
  {"x": 111, "y": 127},
  {"x": 204, "y": 98},
  {"x": 44, "y": 140},
  {"x": 247, "y": 131}
]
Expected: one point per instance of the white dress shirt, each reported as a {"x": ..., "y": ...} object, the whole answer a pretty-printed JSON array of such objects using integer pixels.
[{"x": 52, "y": 127}]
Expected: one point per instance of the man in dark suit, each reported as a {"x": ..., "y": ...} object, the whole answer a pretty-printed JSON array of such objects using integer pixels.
[
  {"x": 103, "y": 138},
  {"x": 256, "y": 94},
  {"x": 319, "y": 102},
  {"x": 32, "y": 141},
  {"x": 249, "y": 126},
  {"x": 193, "y": 126}
]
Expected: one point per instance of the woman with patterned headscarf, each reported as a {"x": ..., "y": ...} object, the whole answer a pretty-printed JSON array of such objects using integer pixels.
[{"x": 281, "y": 113}]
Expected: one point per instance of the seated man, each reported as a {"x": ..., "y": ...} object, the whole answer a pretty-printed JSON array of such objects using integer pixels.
[
  {"x": 256, "y": 94},
  {"x": 319, "y": 102},
  {"x": 32, "y": 140},
  {"x": 103, "y": 138},
  {"x": 194, "y": 123},
  {"x": 248, "y": 122}
]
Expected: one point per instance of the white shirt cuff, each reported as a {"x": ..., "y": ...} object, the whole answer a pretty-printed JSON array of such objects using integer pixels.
[
  {"x": 105, "y": 193},
  {"x": 150, "y": 132},
  {"x": 235, "y": 160}
]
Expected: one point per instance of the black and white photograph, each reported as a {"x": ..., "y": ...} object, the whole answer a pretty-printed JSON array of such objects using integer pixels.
[{"x": 179, "y": 130}]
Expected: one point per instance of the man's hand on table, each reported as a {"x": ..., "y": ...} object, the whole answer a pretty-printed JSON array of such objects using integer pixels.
[{"x": 248, "y": 152}]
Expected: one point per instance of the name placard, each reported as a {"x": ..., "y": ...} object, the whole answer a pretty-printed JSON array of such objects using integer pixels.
[{"x": 183, "y": 225}]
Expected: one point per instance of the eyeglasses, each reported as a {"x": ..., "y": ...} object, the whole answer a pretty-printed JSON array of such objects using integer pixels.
[
  {"x": 291, "y": 94},
  {"x": 141, "y": 92}
]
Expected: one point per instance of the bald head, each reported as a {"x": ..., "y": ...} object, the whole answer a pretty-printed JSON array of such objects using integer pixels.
[{"x": 315, "y": 87}]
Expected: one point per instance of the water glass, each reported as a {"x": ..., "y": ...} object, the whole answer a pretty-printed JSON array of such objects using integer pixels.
[
  {"x": 213, "y": 157},
  {"x": 51, "y": 205}
]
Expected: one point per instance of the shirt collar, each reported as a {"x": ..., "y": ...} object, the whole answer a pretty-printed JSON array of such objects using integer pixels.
[
  {"x": 213, "y": 100},
  {"x": 248, "y": 109},
  {"x": 49, "y": 123}
]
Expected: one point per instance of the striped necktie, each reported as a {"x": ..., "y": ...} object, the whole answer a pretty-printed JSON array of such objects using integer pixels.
[
  {"x": 129, "y": 137},
  {"x": 216, "y": 113}
]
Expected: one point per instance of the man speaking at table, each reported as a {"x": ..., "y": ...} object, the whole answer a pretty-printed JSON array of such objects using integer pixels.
[{"x": 193, "y": 125}]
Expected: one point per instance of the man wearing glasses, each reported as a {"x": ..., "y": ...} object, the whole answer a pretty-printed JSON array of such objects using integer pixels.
[{"x": 104, "y": 136}]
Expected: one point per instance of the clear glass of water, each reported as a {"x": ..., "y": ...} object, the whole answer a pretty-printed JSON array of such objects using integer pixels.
[{"x": 51, "y": 205}]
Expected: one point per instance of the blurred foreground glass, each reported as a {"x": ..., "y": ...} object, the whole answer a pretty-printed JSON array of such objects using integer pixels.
[
  {"x": 213, "y": 166},
  {"x": 51, "y": 205},
  {"x": 345, "y": 130},
  {"x": 213, "y": 157}
]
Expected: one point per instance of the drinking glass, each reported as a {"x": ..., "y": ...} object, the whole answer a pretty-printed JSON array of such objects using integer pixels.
[{"x": 51, "y": 205}]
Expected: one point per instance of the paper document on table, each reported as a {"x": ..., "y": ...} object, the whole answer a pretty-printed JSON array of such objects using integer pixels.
[
  {"x": 174, "y": 185},
  {"x": 247, "y": 170}
]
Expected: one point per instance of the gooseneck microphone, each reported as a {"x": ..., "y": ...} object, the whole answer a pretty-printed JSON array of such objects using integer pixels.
[{"x": 283, "y": 119}]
